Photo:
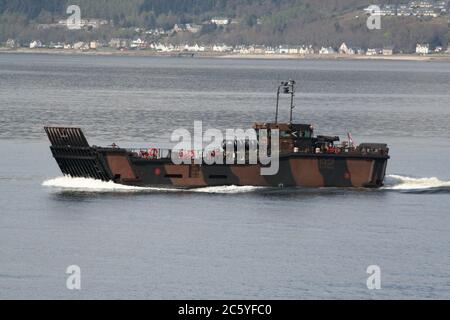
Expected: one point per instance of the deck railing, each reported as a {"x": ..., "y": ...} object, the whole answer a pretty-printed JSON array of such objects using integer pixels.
[{"x": 165, "y": 153}]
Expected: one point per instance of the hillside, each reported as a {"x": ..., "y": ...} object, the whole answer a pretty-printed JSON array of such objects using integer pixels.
[{"x": 271, "y": 22}]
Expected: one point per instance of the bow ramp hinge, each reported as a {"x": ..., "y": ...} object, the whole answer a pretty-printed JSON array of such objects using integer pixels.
[{"x": 66, "y": 137}]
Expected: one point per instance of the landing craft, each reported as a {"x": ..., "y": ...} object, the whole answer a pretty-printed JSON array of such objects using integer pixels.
[{"x": 304, "y": 160}]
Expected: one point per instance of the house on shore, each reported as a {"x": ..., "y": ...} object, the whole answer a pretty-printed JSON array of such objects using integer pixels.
[
  {"x": 93, "y": 45},
  {"x": 194, "y": 48},
  {"x": 35, "y": 44},
  {"x": 220, "y": 21},
  {"x": 388, "y": 51},
  {"x": 161, "y": 47},
  {"x": 270, "y": 50},
  {"x": 81, "y": 46},
  {"x": 118, "y": 43},
  {"x": 304, "y": 50},
  {"x": 374, "y": 51},
  {"x": 57, "y": 45},
  {"x": 257, "y": 49},
  {"x": 327, "y": 50},
  {"x": 12, "y": 44},
  {"x": 292, "y": 50},
  {"x": 138, "y": 44},
  {"x": 422, "y": 49},
  {"x": 222, "y": 48},
  {"x": 345, "y": 49},
  {"x": 283, "y": 50}
]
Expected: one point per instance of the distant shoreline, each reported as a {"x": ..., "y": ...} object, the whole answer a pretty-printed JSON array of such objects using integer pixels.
[
  {"x": 398, "y": 57},
  {"x": 145, "y": 53}
]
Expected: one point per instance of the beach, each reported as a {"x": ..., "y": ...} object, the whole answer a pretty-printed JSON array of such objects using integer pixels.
[{"x": 149, "y": 53}]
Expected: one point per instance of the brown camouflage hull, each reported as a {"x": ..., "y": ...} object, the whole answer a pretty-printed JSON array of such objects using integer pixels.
[
  {"x": 295, "y": 170},
  {"x": 302, "y": 171},
  {"x": 77, "y": 159}
]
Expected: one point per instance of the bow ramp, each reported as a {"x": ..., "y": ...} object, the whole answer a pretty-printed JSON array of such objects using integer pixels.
[{"x": 74, "y": 155}]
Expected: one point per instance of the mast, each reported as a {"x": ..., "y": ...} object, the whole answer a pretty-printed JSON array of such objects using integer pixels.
[
  {"x": 278, "y": 103},
  {"x": 286, "y": 87}
]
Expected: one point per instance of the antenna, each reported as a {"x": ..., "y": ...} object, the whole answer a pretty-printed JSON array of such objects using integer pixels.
[{"x": 286, "y": 87}]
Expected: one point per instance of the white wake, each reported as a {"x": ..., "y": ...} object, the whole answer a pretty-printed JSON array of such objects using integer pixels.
[
  {"x": 92, "y": 185},
  {"x": 392, "y": 182},
  {"x": 84, "y": 184},
  {"x": 397, "y": 182}
]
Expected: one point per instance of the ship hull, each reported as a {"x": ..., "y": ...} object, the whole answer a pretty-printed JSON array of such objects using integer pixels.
[
  {"x": 302, "y": 170},
  {"x": 77, "y": 159}
]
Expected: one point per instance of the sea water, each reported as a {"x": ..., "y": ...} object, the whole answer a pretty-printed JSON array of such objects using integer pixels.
[{"x": 229, "y": 241}]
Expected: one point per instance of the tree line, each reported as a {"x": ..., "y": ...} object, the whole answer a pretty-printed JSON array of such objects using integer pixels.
[{"x": 271, "y": 22}]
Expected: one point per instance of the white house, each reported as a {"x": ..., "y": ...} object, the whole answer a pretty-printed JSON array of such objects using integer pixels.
[
  {"x": 270, "y": 50},
  {"x": 245, "y": 50},
  {"x": 157, "y": 32},
  {"x": 422, "y": 48},
  {"x": 283, "y": 50},
  {"x": 193, "y": 28},
  {"x": 222, "y": 48},
  {"x": 163, "y": 48},
  {"x": 11, "y": 43},
  {"x": 388, "y": 10},
  {"x": 119, "y": 43},
  {"x": 194, "y": 48},
  {"x": 374, "y": 51},
  {"x": 358, "y": 50},
  {"x": 56, "y": 46},
  {"x": 306, "y": 50},
  {"x": 93, "y": 45},
  {"x": 344, "y": 49},
  {"x": 424, "y": 12},
  {"x": 328, "y": 50},
  {"x": 93, "y": 23},
  {"x": 404, "y": 11},
  {"x": 293, "y": 50},
  {"x": 138, "y": 44},
  {"x": 35, "y": 44},
  {"x": 238, "y": 49},
  {"x": 388, "y": 51},
  {"x": 81, "y": 46},
  {"x": 259, "y": 49},
  {"x": 421, "y": 4},
  {"x": 220, "y": 21}
]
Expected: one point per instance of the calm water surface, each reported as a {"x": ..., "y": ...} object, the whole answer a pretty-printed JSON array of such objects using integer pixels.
[{"x": 224, "y": 242}]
